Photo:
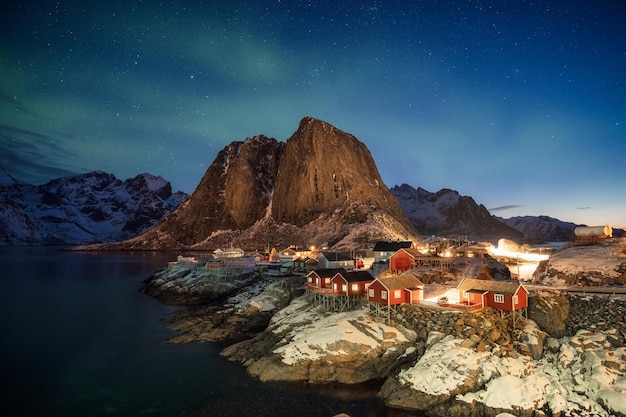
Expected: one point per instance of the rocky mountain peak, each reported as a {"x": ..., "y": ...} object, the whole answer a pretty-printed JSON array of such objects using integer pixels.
[
  {"x": 233, "y": 194},
  {"x": 324, "y": 169},
  {"x": 152, "y": 183},
  {"x": 319, "y": 187}
]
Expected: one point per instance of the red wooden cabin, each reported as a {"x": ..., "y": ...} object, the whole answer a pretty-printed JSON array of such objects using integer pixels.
[
  {"x": 403, "y": 259},
  {"x": 320, "y": 278},
  {"x": 502, "y": 295},
  {"x": 400, "y": 289},
  {"x": 351, "y": 283}
]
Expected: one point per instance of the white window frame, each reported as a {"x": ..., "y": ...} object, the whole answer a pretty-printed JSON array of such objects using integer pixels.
[
  {"x": 397, "y": 293},
  {"x": 370, "y": 293},
  {"x": 515, "y": 299},
  {"x": 383, "y": 294},
  {"x": 344, "y": 288},
  {"x": 466, "y": 294},
  {"x": 355, "y": 287},
  {"x": 498, "y": 298}
]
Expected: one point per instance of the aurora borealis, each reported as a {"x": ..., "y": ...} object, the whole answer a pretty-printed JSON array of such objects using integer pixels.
[{"x": 518, "y": 104}]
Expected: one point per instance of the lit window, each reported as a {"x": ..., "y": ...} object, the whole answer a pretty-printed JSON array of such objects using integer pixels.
[
  {"x": 383, "y": 295},
  {"x": 370, "y": 293},
  {"x": 498, "y": 298},
  {"x": 355, "y": 287},
  {"x": 344, "y": 288}
]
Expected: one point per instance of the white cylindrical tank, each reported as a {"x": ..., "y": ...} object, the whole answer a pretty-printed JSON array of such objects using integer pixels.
[{"x": 588, "y": 231}]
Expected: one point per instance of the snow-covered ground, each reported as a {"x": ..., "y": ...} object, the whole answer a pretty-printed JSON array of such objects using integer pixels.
[
  {"x": 582, "y": 375},
  {"x": 314, "y": 339},
  {"x": 604, "y": 258}
]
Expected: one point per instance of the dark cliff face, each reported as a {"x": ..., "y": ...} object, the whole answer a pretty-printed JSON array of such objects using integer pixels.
[
  {"x": 233, "y": 194},
  {"x": 324, "y": 169}
]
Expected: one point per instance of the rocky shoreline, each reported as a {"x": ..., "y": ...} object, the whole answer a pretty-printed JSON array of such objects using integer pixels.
[{"x": 567, "y": 359}]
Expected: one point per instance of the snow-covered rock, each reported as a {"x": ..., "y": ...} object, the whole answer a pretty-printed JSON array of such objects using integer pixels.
[
  {"x": 303, "y": 343},
  {"x": 582, "y": 375},
  {"x": 591, "y": 265}
]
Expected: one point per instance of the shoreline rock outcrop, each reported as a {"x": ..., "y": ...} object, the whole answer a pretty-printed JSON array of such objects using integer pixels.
[
  {"x": 307, "y": 345},
  {"x": 444, "y": 362}
]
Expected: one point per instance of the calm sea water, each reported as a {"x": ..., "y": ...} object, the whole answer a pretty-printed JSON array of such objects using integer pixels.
[{"x": 78, "y": 339}]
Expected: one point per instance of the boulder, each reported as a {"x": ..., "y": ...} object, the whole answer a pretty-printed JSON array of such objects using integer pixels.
[
  {"x": 445, "y": 370},
  {"x": 549, "y": 309},
  {"x": 532, "y": 340}
]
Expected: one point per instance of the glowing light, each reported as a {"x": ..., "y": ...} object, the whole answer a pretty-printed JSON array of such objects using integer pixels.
[{"x": 522, "y": 256}]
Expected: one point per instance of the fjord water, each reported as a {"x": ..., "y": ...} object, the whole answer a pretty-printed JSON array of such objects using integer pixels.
[{"x": 78, "y": 339}]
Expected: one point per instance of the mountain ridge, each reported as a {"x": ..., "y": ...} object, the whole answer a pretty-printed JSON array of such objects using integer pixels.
[
  {"x": 321, "y": 187},
  {"x": 85, "y": 208},
  {"x": 447, "y": 213}
]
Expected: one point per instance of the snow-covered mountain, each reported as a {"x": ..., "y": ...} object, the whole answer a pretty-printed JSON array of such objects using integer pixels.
[
  {"x": 92, "y": 207},
  {"x": 541, "y": 228},
  {"x": 448, "y": 213}
]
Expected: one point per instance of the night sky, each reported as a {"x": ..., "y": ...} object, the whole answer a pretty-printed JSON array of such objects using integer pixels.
[{"x": 518, "y": 104}]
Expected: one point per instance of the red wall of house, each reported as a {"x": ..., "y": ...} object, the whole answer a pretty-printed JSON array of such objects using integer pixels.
[
  {"x": 474, "y": 298},
  {"x": 413, "y": 296},
  {"x": 400, "y": 261},
  {"x": 401, "y": 298},
  {"x": 340, "y": 281},
  {"x": 506, "y": 306},
  {"x": 362, "y": 288},
  {"x": 522, "y": 299},
  {"x": 378, "y": 288}
]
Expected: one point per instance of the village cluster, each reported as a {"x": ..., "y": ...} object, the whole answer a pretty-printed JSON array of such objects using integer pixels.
[{"x": 341, "y": 281}]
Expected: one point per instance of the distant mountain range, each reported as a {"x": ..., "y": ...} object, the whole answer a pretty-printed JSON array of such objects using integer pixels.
[
  {"x": 321, "y": 187},
  {"x": 447, "y": 213},
  {"x": 541, "y": 228},
  {"x": 92, "y": 207}
]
